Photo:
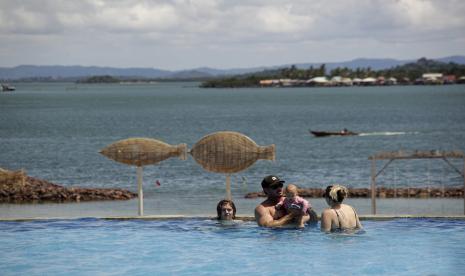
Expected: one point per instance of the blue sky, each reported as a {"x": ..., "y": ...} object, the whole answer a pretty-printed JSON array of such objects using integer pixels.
[{"x": 183, "y": 34}]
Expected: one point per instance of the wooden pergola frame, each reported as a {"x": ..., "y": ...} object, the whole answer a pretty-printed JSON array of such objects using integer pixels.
[{"x": 391, "y": 156}]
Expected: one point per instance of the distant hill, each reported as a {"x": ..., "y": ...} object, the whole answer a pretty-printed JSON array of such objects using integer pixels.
[
  {"x": 60, "y": 72},
  {"x": 190, "y": 74},
  {"x": 233, "y": 71},
  {"x": 77, "y": 72},
  {"x": 454, "y": 59}
]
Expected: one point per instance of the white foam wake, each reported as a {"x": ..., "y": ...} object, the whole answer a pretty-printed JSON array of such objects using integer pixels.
[{"x": 386, "y": 133}]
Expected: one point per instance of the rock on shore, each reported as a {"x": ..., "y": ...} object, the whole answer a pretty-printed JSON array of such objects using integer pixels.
[
  {"x": 16, "y": 187},
  {"x": 382, "y": 192}
]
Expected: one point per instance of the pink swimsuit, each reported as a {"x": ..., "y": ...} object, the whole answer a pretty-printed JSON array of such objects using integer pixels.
[{"x": 287, "y": 203}]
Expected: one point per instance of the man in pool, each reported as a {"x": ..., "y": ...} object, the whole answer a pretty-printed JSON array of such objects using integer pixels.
[{"x": 267, "y": 215}]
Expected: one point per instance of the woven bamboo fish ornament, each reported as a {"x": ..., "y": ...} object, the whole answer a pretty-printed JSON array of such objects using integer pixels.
[
  {"x": 229, "y": 152},
  {"x": 143, "y": 151}
]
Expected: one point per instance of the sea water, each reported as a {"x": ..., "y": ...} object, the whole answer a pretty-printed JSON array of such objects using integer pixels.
[
  {"x": 54, "y": 131},
  {"x": 206, "y": 247}
]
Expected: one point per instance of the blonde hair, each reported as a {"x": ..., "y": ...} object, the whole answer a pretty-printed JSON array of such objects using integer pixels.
[
  {"x": 336, "y": 192},
  {"x": 292, "y": 188}
]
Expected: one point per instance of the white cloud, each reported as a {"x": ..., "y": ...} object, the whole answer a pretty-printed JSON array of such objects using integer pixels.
[
  {"x": 266, "y": 27},
  {"x": 282, "y": 20}
]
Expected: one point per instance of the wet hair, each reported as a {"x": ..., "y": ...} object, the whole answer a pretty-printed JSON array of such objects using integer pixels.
[
  {"x": 336, "y": 193},
  {"x": 223, "y": 202}
]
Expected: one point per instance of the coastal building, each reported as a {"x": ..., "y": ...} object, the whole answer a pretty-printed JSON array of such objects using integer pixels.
[
  {"x": 391, "y": 81},
  {"x": 405, "y": 81},
  {"x": 265, "y": 83},
  {"x": 340, "y": 81},
  {"x": 368, "y": 81},
  {"x": 323, "y": 81},
  {"x": 287, "y": 82},
  {"x": 449, "y": 79},
  {"x": 336, "y": 79},
  {"x": 269, "y": 83},
  {"x": 380, "y": 80},
  {"x": 318, "y": 81},
  {"x": 356, "y": 81},
  {"x": 347, "y": 82},
  {"x": 432, "y": 78}
]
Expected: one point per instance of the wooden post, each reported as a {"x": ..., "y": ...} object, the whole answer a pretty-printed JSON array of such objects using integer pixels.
[
  {"x": 140, "y": 192},
  {"x": 463, "y": 175},
  {"x": 23, "y": 178},
  {"x": 373, "y": 186},
  {"x": 228, "y": 187}
]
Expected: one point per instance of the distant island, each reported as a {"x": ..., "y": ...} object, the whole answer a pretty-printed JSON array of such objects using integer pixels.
[
  {"x": 107, "y": 79},
  {"x": 423, "y": 71},
  {"x": 99, "y": 79},
  {"x": 360, "y": 71}
]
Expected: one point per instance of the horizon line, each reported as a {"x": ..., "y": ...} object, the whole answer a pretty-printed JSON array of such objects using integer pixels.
[{"x": 231, "y": 68}]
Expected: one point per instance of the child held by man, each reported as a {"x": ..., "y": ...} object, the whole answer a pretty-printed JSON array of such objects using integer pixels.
[{"x": 294, "y": 201}]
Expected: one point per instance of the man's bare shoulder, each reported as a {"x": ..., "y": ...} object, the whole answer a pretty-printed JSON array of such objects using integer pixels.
[{"x": 261, "y": 208}]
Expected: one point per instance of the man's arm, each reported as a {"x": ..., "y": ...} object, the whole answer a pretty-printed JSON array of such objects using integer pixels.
[{"x": 264, "y": 218}]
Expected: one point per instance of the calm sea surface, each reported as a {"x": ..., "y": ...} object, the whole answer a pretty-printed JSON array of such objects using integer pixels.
[{"x": 54, "y": 131}]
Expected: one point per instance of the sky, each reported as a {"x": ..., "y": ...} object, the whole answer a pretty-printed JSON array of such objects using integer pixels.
[{"x": 225, "y": 34}]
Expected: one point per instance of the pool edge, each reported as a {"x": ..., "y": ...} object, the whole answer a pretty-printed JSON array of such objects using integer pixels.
[{"x": 242, "y": 217}]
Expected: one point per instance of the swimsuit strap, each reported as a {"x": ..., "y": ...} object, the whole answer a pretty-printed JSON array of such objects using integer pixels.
[
  {"x": 338, "y": 219},
  {"x": 356, "y": 217}
]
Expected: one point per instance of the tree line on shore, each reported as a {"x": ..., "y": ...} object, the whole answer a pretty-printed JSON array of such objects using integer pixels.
[{"x": 407, "y": 73}]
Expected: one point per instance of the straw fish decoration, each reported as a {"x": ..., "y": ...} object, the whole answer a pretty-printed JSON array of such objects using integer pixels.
[
  {"x": 143, "y": 151},
  {"x": 229, "y": 152}
]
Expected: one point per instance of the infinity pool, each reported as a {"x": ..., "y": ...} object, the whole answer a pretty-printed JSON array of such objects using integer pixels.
[{"x": 206, "y": 247}]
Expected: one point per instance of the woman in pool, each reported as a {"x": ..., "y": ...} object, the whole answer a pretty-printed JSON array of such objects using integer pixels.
[
  {"x": 339, "y": 216},
  {"x": 226, "y": 210}
]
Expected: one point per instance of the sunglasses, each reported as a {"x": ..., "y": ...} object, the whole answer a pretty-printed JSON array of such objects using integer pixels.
[{"x": 276, "y": 186}]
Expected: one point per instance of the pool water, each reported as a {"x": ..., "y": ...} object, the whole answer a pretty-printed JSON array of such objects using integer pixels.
[{"x": 205, "y": 247}]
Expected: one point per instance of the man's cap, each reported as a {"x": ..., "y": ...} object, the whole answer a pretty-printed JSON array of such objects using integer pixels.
[{"x": 270, "y": 181}]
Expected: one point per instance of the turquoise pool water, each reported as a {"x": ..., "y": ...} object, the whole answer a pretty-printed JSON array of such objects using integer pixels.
[{"x": 205, "y": 247}]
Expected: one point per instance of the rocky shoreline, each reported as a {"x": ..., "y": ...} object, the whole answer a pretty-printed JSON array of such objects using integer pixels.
[
  {"x": 382, "y": 193},
  {"x": 16, "y": 187}
]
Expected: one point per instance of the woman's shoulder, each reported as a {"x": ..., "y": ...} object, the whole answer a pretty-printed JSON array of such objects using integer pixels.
[
  {"x": 327, "y": 212},
  {"x": 347, "y": 206}
]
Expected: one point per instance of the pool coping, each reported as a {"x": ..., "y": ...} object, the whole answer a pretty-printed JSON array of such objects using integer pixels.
[{"x": 239, "y": 217}]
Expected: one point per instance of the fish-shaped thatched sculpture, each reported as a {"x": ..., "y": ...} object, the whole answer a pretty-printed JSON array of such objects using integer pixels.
[
  {"x": 143, "y": 151},
  {"x": 229, "y": 152}
]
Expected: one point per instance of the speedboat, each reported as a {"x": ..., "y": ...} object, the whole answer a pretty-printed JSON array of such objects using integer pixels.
[{"x": 343, "y": 132}]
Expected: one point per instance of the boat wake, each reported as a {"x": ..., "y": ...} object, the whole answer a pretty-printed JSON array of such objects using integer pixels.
[{"x": 387, "y": 133}]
